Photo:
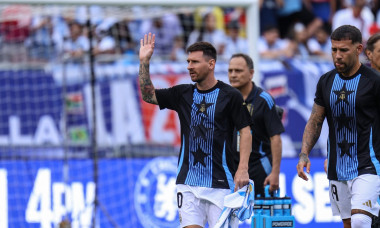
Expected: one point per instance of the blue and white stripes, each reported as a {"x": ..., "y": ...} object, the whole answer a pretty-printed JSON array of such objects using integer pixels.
[
  {"x": 201, "y": 138},
  {"x": 268, "y": 99},
  {"x": 342, "y": 103}
]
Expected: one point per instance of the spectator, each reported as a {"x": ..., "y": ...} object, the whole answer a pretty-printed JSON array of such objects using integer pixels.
[
  {"x": 178, "y": 52},
  {"x": 320, "y": 44},
  {"x": 104, "y": 42},
  {"x": 236, "y": 14},
  {"x": 217, "y": 12},
  {"x": 234, "y": 43},
  {"x": 61, "y": 31},
  {"x": 77, "y": 44},
  {"x": 268, "y": 12},
  {"x": 301, "y": 45},
  {"x": 14, "y": 30},
  {"x": 122, "y": 34},
  {"x": 40, "y": 42},
  {"x": 166, "y": 29},
  {"x": 209, "y": 33},
  {"x": 271, "y": 46},
  {"x": 321, "y": 9},
  {"x": 187, "y": 23},
  {"x": 294, "y": 11},
  {"x": 358, "y": 15}
]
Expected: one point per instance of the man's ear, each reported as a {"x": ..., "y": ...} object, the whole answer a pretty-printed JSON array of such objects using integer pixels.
[
  {"x": 368, "y": 54},
  {"x": 211, "y": 63},
  {"x": 359, "y": 48},
  {"x": 251, "y": 71}
]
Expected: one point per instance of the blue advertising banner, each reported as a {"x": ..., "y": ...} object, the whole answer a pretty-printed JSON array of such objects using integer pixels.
[
  {"x": 53, "y": 106},
  {"x": 135, "y": 192}
]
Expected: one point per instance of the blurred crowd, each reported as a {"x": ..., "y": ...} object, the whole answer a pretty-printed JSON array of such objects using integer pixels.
[{"x": 288, "y": 29}]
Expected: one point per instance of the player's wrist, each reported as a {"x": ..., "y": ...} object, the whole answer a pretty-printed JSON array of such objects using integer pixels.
[
  {"x": 275, "y": 171},
  {"x": 144, "y": 61},
  {"x": 243, "y": 168},
  {"x": 303, "y": 154}
]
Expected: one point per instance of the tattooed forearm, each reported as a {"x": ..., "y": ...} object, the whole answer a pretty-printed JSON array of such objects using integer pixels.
[
  {"x": 313, "y": 129},
  {"x": 146, "y": 85}
]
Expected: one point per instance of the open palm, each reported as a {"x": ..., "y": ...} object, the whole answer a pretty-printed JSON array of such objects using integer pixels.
[{"x": 147, "y": 47}]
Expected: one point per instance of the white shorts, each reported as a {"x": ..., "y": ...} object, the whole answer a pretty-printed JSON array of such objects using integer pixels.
[
  {"x": 360, "y": 193},
  {"x": 199, "y": 205}
]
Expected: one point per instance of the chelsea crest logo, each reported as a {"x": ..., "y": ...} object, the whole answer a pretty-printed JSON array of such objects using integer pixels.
[{"x": 155, "y": 195}]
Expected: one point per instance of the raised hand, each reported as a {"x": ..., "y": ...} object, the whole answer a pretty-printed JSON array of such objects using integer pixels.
[{"x": 147, "y": 47}]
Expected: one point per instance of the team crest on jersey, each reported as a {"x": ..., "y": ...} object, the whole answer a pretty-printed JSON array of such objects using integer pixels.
[
  {"x": 155, "y": 195},
  {"x": 250, "y": 108}
]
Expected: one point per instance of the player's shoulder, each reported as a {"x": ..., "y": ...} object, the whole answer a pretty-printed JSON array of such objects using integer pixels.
[
  {"x": 227, "y": 88},
  {"x": 328, "y": 75},
  {"x": 183, "y": 87},
  {"x": 370, "y": 73},
  {"x": 265, "y": 97}
]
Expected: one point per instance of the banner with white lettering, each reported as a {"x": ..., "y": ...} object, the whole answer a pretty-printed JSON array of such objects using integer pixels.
[
  {"x": 139, "y": 193},
  {"x": 38, "y": 107}
]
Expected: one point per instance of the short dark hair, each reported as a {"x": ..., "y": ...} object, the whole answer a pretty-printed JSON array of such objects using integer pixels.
[
  {"x": 247, "y": 59},
  {"x": 206, "y": 47},
  {"x": 347, "y": 32},
  {"x": 371, "y": 41}
]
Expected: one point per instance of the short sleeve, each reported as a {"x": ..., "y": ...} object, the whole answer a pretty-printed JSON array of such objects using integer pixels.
[
  {"x": 319, "y": 94},
  {"x": 273, "y": 124},
  {"x": 168, "y": 98}
]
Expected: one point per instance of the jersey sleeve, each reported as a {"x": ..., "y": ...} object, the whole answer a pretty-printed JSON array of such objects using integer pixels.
[
  {"x": 168, "y": 98},
  {"x": 319, "y": 94},
  {"x": 239, "y": 112},
  {"x": 272, "y": 121}
]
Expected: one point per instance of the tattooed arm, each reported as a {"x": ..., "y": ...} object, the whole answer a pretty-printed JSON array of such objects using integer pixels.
[
  {"x": 310, "y": 137},
  {"x": 146, "y": 85}
]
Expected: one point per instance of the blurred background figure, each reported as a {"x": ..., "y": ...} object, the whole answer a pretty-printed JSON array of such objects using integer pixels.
[
  {"x": 299, "y": 41},
  {"x": 76, "y": 45},
  {"x": 271, "y": 46},
  {"x": 320, "y": 44},
  {"x": 269, "y": 12},
  {"x": 234, "y": 43},
  {"x": 294, "y": 11},
  {"x": 209, "y": 32},
  {"x": 323, "y": 9},
  {"x": 187, "y": 22},
  {"x": 104, "y": 43},
  {"x": 166, "y": 28},
  {"x": 14, "y": 30},
  {"x": 123, "y": 37},
  {"x": 40, "y": 43},
  {"x": 305, "y": 47},
  {"x": 178, "y": 52},
  {"x": 358, "y": 15},
  {"x": 218, "y": 12}
]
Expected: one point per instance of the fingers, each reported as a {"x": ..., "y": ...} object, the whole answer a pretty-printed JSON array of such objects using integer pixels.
[
  {"x": 300, "y": 171},
  {"x": 148, "y": 39},
  {"x": 153, "y": 38},
  {"x": 273, "y": 187},
  {"x": 308, "y": 167},
  {"x": 266, "y": 181},
  {"x": 145, "y": 39},
  {"x": 240, "y": 184}
]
